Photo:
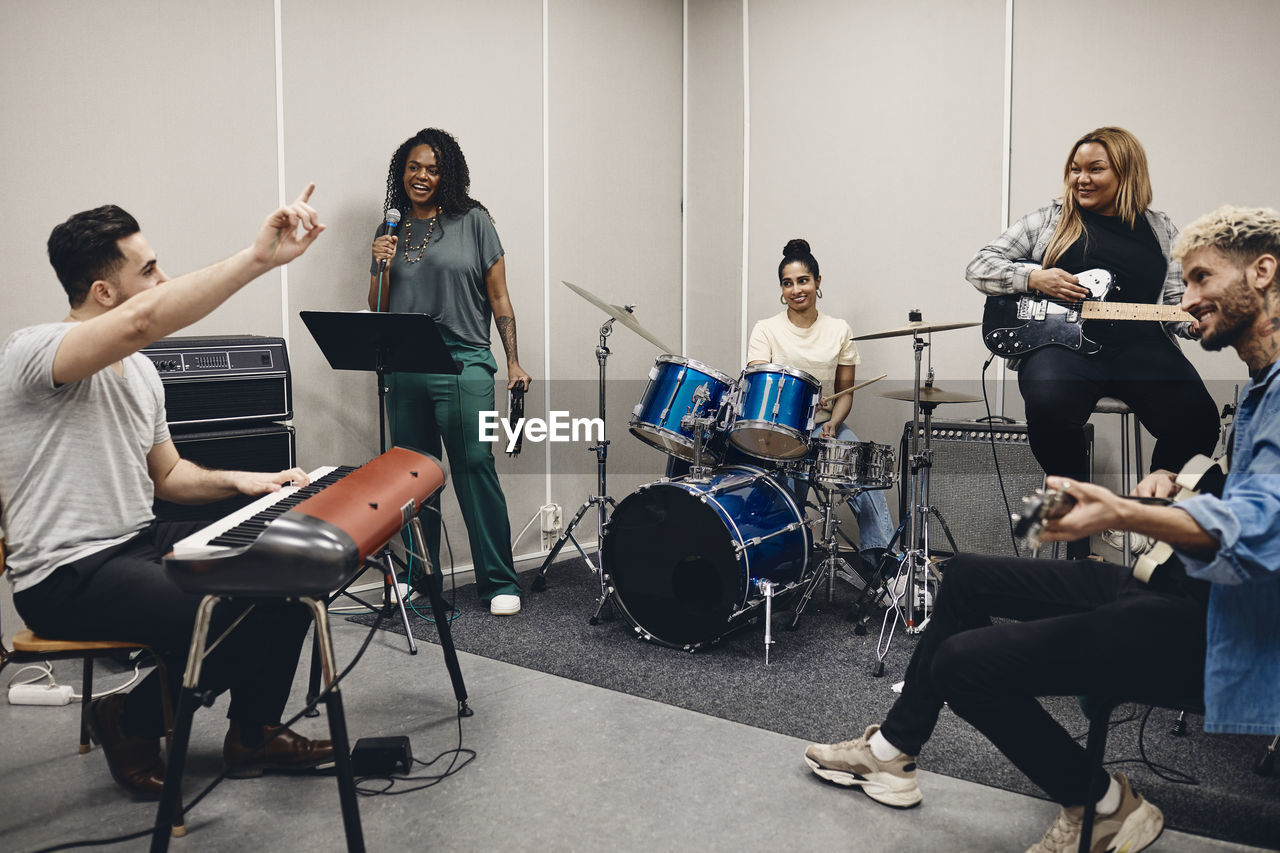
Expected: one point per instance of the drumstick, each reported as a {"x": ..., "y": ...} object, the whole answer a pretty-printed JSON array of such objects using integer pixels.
[{"x": 854, "y": 388}]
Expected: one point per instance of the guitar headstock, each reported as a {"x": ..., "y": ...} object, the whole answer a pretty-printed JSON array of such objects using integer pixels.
[{"x": 1037, "y": 508}]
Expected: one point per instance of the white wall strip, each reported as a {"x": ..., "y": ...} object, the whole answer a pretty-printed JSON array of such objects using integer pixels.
[
  {"x": 746, "y": 169},
  {"x": 280, "y": 176},
  {"x": 546, "y": 235},
  {"x": 684, "y": 183},
  {"x": 1006, "y": 167}
]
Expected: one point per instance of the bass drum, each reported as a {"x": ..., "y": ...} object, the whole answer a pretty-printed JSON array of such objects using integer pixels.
[{"x": 685, "y": 556}]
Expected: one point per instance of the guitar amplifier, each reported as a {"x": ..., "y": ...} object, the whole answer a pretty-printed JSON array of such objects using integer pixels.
[
  {"x": 964, "y": 486},
  {"x": 211, "y": 380},
  {"x": 265, "y": 447}
]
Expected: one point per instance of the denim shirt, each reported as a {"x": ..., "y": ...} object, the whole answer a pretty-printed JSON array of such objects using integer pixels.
[{"x": 1242, "y": 659}]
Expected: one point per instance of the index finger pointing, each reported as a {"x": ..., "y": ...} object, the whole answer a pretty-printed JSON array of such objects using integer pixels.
[{"x": 306, "y": 193}]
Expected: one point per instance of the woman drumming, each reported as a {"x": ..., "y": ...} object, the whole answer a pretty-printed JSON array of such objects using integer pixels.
[
  {"x": 1102, "y": 222},
  {"x": 451, "y": 267},
  {"x": 822, "y": 346}
]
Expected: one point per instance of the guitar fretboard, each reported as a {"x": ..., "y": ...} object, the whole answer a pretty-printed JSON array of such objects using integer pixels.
[{"x": 1094, "y": 310}]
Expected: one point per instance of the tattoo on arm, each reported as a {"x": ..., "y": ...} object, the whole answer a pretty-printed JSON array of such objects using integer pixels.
[{"x": 507, "y": 331}]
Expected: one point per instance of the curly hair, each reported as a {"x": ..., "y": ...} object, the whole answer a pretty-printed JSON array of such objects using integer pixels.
[
  {"x": 1240, "y": 233},
  {"x": 455, "y": 178},
  {"x": 798, "y": 250},
  {"x": 84, "y": 248},
  {"x": 1133, "y": 196}
]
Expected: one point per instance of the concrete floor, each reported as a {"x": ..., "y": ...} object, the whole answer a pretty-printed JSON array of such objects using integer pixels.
[{"x": 561, "y": 766}]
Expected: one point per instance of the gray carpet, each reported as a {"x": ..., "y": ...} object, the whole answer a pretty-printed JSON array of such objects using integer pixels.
[{"x": 819, "y": 687}]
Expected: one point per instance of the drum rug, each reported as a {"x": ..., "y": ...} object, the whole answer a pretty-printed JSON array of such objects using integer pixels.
[{"x": 819, "y": 687}]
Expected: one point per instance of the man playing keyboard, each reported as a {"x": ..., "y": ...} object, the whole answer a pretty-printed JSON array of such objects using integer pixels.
[{"x": 84, "y": 452}]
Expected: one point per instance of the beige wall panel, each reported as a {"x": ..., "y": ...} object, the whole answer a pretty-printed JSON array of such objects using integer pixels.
[
  {"x": 875, "y": 135},
  {"x": 1191, "y": 80},
  {"x": 615, "y": 226},
  {"x": 356, "y": 86},
  {"x": 713, "y": 208},
  {"x": 168, "y": 111}
]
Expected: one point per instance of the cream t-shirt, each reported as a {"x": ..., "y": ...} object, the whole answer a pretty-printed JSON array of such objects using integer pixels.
[{"x": 816, "y": 350}]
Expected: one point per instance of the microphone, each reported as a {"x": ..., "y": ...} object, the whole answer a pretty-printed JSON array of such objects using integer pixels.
[{"x": 389, "y": 227}]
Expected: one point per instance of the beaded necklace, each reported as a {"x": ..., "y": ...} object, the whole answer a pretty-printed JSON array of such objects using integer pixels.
[{"x": 408, "y": 240}]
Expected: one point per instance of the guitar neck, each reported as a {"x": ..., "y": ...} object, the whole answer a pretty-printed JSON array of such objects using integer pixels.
[{"x": 1095, "y": 310}]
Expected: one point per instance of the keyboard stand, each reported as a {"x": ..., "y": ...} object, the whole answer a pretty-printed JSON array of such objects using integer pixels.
[{"x": 192, "y": 697}]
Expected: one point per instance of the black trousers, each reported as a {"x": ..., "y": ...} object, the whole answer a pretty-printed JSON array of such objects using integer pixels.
[
  {"x": 1085, "y": 628},
  {"x": 124, "y": 593},
  {"x": 1061, "y": 387}
]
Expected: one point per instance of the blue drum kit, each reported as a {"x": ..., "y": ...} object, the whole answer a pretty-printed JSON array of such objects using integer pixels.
[{"x": 689, "y": 559}]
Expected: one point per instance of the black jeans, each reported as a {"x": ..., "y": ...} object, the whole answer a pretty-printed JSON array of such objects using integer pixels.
[
  {"x": 1061, "y": 387},
  {"x": 1086, "y": 628},
  {"x": 124, "y": 593}
]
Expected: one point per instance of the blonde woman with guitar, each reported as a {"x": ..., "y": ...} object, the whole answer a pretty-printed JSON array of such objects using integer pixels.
[{"x": 1044, "y": 278}]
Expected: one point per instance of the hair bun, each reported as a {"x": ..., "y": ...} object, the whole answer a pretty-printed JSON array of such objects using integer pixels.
[{"x": 795, "y": 247}]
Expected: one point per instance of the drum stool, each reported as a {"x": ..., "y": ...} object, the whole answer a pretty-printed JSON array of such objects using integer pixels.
[{"x": 1129, "y": 477}]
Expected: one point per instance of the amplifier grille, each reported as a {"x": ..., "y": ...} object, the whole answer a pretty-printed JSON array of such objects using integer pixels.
[
  {"x": 963, "y": 486},
  {"x": 227, "y": 399},
  {"x": 265, "y": 448}
]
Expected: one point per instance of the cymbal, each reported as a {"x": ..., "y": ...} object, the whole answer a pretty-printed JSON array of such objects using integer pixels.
[
  {"x": 622, "y": 314},
  {"x": 930, "y": 394},
  {"x": 917, "y": 328}
]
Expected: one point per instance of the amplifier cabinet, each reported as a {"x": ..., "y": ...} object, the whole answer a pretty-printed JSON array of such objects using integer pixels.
[
  {"x": 269, "y": 447},
  {"x": 963, "y": 485},
  {"x": 210, "y": 380}
]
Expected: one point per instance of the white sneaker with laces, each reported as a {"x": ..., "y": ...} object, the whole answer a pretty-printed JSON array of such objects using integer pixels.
[
  {"x": 504, "y": 605},
  {"x": 852, "y": 763}
]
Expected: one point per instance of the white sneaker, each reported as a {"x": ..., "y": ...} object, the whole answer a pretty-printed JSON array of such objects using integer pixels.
[
  {"x": 1130, "y": 828},
  {"x": 851, "y": 763},
  {"x": 505, "y": 605}
]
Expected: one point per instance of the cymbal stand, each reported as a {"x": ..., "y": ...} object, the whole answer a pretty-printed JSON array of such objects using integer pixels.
[
  {"x": 600, "y": 500},
  {"x": 913, "y": 576}
]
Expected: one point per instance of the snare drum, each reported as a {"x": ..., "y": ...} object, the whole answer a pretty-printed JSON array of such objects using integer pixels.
[
  {"x": 775, "y": 411},
  {"x": 679, "y": 388},
  {"x": 839, "y": 464},
  {"x": 684, "y": 556}
]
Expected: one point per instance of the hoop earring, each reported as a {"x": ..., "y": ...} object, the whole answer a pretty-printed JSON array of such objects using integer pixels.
[
  {"x": 782, "y": 299},
  {"x": 819, "y": 292}
]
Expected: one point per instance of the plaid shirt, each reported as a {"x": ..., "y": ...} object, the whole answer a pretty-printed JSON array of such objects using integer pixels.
[{"x": 1004, "y": 265}]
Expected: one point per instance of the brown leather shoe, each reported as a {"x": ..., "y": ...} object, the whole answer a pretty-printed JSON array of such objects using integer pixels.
[
  {"x": 134, "y": 761},
  {"x": 284, "y": 750}
]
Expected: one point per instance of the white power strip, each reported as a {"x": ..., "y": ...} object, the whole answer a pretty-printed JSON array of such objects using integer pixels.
[{"x": 40, "y": 694}]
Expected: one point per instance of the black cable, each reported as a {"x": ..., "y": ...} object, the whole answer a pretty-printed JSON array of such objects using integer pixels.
[
  {"x": 190, "y": 804},
  {"x": 1169, "y": 774},
  {"x": 995, "y": 457}
]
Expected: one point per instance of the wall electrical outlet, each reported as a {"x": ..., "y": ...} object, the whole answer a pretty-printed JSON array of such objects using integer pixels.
[{"x": 552, "y": 520}]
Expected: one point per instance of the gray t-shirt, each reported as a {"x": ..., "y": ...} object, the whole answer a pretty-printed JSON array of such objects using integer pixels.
[
  {"x": 448, "y": 282},
  {"x": 73, "y": 457}
]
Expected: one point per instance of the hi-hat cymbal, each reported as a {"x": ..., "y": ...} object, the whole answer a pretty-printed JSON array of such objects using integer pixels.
[
  {"x": 622, "y": 314},
  {"x": 917, "y": 328},
  {"x": 929, "y": 394}
]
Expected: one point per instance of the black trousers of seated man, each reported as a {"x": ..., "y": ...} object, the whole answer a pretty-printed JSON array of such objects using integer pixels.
[
  {"x": 1086, "y": 628},
  {"x": 124, "y": 593}
]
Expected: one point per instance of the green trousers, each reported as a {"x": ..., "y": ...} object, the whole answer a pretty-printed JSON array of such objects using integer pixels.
[{"x": 427, "y": 410}]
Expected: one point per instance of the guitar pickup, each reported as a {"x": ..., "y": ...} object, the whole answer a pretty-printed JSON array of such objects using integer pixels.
[{"x": 1032, "y": 309}]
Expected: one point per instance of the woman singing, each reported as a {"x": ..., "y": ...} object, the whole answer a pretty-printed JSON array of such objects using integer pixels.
[
  {"x": 1102, "y": 222},
  {"x": 450, "y": 265},
  {"x": 821, "y": 345}
]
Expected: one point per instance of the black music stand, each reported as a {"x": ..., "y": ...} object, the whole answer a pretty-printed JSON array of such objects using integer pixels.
[{"x": 392, "y": 343}]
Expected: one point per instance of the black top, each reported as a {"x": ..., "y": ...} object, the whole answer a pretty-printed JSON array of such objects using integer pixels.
[{"x": 1133, "y": 257}]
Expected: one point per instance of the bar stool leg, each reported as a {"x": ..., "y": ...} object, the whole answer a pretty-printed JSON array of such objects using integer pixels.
[{"x": 1125, "y": 482}]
